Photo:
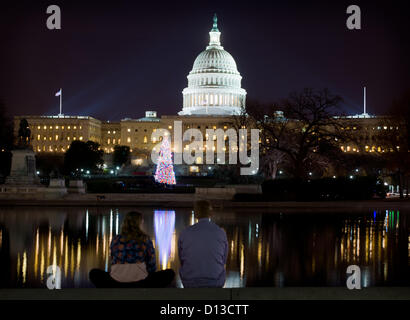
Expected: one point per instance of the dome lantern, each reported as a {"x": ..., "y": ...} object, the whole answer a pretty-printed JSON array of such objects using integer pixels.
[{"x": 214, "y": 34}]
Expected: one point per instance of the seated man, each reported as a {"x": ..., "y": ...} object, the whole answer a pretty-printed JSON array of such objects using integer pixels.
[{"x": 202, "y": 249}]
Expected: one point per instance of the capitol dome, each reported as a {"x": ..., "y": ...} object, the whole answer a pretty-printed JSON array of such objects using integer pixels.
[
  {"x": 214, "y": 84},
  {"x": 214, "y": 60}
]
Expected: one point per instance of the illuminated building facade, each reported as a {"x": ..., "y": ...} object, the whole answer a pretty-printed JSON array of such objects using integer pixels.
[
  {"x": 55, "y": 133},
  {"x": 213, "y": 96}
]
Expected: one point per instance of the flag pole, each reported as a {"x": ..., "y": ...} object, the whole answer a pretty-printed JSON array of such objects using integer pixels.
[{"x": 61, "y": 101}]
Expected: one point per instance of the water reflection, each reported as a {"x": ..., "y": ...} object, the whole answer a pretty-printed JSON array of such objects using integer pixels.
[
  {"x": 165, "y": 236},
  {"x": 270, "y": 249}
]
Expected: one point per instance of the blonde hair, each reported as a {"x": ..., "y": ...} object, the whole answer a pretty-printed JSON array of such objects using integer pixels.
[
  {"x": 203, "y": 209},
  {"x": 131, "y": 227}
]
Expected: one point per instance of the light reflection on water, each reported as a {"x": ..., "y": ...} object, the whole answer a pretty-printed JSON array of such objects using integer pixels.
[{"x": 271, "y": 249}]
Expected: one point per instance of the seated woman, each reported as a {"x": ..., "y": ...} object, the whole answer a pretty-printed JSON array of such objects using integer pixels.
[{"x": 132, "y": 260}]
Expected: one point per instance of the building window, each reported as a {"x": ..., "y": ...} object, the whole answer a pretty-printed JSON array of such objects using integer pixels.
[
  {"x": 145, "y": 139},
  {"x": 129, "y": 129},
  {"x": 193, "y": 169},
  {"x": 128, "y": 139}
]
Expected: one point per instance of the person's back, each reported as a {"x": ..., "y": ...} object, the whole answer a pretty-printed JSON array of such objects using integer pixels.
[
  {"x": 203, "y": 249},
  {"x": 133, "y": 262}
]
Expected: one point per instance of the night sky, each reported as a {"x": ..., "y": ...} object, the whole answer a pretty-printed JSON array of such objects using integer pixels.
[{"x": 116, "y": 59}]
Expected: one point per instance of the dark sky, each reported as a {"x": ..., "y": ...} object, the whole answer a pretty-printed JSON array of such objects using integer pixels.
[{"x": 115, "y": 59}]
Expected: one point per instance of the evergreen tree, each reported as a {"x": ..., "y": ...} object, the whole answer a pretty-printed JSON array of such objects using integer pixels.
[{"x": 165, "y": 169}]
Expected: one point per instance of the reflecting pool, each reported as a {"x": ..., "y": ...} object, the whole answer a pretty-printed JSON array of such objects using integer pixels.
[{"x": 265, "y": 248}]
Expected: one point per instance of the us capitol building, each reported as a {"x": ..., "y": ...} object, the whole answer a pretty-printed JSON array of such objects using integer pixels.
[{"x": 213, "y": 95}]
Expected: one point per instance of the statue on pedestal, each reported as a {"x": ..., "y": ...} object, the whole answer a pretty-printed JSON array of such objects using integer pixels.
[{"x": 23, "y": 161}]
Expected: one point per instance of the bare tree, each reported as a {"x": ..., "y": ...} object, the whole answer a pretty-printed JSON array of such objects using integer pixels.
[{"x": 305, "y": 134}]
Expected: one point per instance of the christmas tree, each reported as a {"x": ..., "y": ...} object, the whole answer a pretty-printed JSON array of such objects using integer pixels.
[{"x": 165, "y": 169}]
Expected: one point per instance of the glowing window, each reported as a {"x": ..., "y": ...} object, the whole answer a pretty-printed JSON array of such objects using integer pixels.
[{"x": 193, "y": 169}]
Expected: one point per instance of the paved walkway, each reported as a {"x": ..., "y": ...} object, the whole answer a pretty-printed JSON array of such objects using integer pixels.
[{"x": 288, "y": 293}]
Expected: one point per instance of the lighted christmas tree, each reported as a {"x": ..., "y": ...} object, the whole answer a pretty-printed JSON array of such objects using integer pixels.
[{"x": 165, "y": 169}]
